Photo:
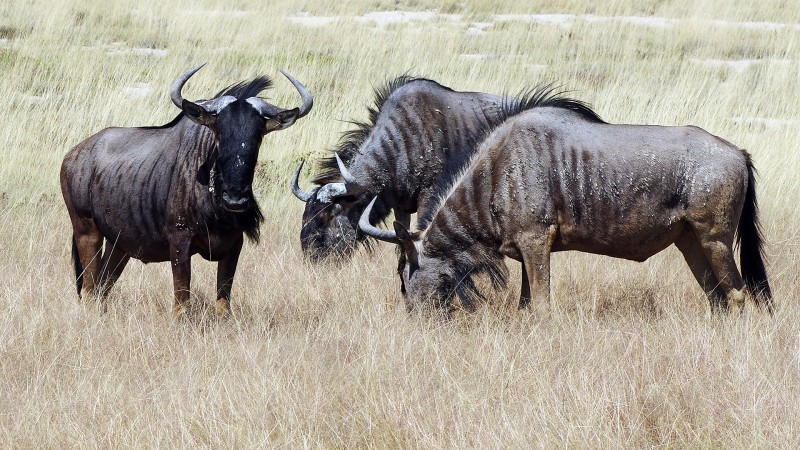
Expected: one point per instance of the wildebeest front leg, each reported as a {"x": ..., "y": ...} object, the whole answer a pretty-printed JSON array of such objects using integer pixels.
[
  {"x": 180, "y": 259},
  {"x": 226, "y": 268},
  {"x": 535, "y": 280},
  {"x": 404, "y": 218},
  {"x": 536, "y": 268}
]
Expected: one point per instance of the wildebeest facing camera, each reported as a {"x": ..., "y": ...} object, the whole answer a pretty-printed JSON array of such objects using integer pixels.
[{"x": 166, "y": 193}]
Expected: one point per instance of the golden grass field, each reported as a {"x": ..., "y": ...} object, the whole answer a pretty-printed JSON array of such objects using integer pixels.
[{"x": 629, "y": 355}]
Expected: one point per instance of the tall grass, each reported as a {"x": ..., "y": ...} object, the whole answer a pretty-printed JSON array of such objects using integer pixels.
[{"x": 629, "y": 355}]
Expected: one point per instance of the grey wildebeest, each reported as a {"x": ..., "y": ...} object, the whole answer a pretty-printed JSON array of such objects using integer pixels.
[
  {"x": 551, "y": 179},
  {"x": 165, "y": 193},
  {"x": 420, "y": 134}
]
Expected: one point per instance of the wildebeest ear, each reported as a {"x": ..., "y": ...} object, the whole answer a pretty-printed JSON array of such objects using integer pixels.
[
  {"x": 198, "y": 114},
  {"x": 283, "y": 119},
  {"x": 407, "y": 243}
]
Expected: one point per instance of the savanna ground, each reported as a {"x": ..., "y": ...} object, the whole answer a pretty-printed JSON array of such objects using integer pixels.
[{"x": 327, "y": 356}]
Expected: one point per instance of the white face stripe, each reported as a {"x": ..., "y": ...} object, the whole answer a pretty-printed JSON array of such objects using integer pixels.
[
  {"x": 254, "y": 103},
  {"x": 218, "y": 104},
  {"x": 327, "y": 193}
]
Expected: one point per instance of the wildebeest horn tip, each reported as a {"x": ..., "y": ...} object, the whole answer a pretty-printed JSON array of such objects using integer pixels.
[
  {"x": 177, "y": 86},
  {"x": 348, "y": 178},
  {"x": 299, "y": 193},
  {"x": 371, "y": 230},
  {"x": 305, "y": 94}
]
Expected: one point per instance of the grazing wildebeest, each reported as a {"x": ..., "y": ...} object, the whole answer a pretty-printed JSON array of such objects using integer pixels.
[
  {"x": 551, "y": 179},
  {"x": 420, "y": 134},
  {"x": 165, "y": 193}
]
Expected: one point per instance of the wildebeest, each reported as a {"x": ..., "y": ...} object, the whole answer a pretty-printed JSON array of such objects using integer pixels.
[
  {"x": 551, "y": 179},
  {"x": 420, "y": 134},
  {"x": 165, "y": 193}
]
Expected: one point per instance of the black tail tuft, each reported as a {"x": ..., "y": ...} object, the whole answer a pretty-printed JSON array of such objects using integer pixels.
[
  {"x": 750, "y": 241},
  {"x": 76, "y": 260}
]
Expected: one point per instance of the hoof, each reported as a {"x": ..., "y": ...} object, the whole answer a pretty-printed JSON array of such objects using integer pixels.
[
  {"x": 180, "y": 311},
  {"x": 736, "y": 299},
  {"x": 222, "y": 307}
]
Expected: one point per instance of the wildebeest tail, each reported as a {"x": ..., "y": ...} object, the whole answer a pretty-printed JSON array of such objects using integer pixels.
[
  {"x": 76, "y": 260},
  {"x": 750, "y": 241}
]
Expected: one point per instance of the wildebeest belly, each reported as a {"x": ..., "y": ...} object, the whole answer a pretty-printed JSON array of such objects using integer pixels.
[
  {"x": 134, "y": 239},
  {"x": 635, "y": 240},
  {"x": 139, "y": 242}
]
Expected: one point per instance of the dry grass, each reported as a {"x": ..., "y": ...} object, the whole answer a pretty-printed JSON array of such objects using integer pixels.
[{"x": 327, "y": 357}]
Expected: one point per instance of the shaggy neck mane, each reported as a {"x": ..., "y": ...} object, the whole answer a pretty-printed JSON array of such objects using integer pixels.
[
  {"x": 247, "y": 89},
  {"x": 350, "y": 141}
]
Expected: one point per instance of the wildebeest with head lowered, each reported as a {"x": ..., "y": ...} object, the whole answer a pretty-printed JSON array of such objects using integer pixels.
[
  {"x": 165, "y": 193},
  {"x": 551, "y": 179},
  {"x": 420, "y": 134}
]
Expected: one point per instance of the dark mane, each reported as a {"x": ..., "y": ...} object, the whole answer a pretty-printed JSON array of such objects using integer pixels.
[
  {"x": 547, "y": 96},
  {"x": 327, "y": 169},
  {"x": 249, "y": 222},
  {"x": 492, "y": 267},
  {"x": 169, "y": 124},
  {"x": 542, "y": 96},
  {"x": 247, "y": 89}
]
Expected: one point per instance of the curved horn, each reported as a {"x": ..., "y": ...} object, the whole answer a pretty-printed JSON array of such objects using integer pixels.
[
  {"x": 299, "y": 193},
  {"x": 371, "y": 230},
  {"x": 177, "y": 86},
  {"x": 348, "y": 178},
  {"x": 264, "y": 109},
  {"x": 305, "y": 95},
  {"x": 269, "y": 110}
]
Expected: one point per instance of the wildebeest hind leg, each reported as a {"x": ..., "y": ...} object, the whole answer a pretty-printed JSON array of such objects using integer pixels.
[
  {"x": 701, "y": 269},
  {"x": 89, "y": 243},
  {"x": 226, "y": 269},
  {"x": 719, "y": 253},
  {"x": 721, "y": 256}
]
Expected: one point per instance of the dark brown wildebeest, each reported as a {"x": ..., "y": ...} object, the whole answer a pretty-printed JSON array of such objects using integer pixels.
[
  {"x": 420, "y": 134},
  {"x": 551, "y": 179},
  {"x": 165, "y": 193}
]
